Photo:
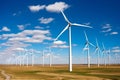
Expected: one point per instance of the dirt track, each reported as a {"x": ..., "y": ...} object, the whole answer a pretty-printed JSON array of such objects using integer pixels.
[{"x": 76, "y": 77}]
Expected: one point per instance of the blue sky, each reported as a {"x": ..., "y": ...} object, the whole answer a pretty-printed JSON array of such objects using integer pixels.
[{"x": 34, "y": 24}]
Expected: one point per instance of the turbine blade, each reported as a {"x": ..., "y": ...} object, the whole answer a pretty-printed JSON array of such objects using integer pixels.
[
  {"x": 103, "y": 46},
  {"x": 97, "y": 42},
  {"x": 62, "y": 31},
  {"x": 65, "y": 17},
  {"x": 95, "y": 50},
  {"x": 91, "y": 44},
  {"x": 75, "y": 24},
  {"x": 85, "y": 47},
  {"x": 86, "y": 36}
]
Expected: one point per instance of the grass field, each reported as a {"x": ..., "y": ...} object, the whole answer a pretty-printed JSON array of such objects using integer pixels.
[{"x": 60, "y": 72}]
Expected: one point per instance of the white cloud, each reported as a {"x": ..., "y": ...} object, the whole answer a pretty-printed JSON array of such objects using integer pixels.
[
  {"x": 36, "y": 8},
  {"x": 116, "y": 51},
  {"x": 17, "y": 13},
  {"x": 15, "y": 44},
  {"x": 107, "y": 30},
  {"x": 57, "y": 7},
  {"x": 33, "y": 36},
  {"x": 63, "y": 46},
  {"x": 5, "y": 28},
  {"x": 38, "y": 27},
  {"x": 116, "y": 47},
  {"x": 114, "y": 33},
  {"x": 45, "y": 20},
  {"x": 59, "y": 42},
  {"x": 19, "y": 49},
  {"x": 21, "y": 27},
  {"x": 106, "y": 26}
]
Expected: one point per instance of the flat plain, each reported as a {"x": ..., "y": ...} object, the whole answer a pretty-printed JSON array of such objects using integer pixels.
[{"x": 61, "y": 72}]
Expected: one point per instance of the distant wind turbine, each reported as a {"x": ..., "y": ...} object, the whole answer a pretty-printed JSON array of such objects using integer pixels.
[
  {"x": 43, "y": 55},
  {"x": 108, "y": 56},
  {"x": 97, "y": 50},
  {"x": 50, "y": 56},
  {"x": 32, "y": 55},
  {"x": 104, "y": 52},
  {"x": 87, "y": 44},
  {"x": 69, "y": 28}
]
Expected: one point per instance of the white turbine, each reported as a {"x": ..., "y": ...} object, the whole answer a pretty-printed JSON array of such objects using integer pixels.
[
  {"x": 26, "y": 54},
  {"x": 50, "y": 56},
  {"x": 32, "y": 57},
  {"x": 87, "y": 44},
  {"x": 108, "y": 56},
  {"x": 104, "y": 52},
  {"x": 43, "y": 55},
  {"x": 69, "y": 28},
  {"x": 97, "y": 50},
  {"x": 20, "y": 58}
]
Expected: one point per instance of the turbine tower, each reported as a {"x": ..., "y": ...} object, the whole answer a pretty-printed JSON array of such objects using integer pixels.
[
  {"x": 50, "y": 56},
  {"x": 69, "y": 28},
  {"x": 104, "y": 52},
  {"x": 43, "y": 55},
  {"x": 97, "y": 50},
  {"x": 87, "y": 44},
  {"x": 32, "y": 57},
  {"x": 108, "y": 56}
]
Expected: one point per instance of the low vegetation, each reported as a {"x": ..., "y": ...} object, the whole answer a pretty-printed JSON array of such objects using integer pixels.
[{"x": 61, "y": 72}]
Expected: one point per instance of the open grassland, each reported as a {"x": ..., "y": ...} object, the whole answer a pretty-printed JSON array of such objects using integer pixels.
[{"x": 60, "y": 72}]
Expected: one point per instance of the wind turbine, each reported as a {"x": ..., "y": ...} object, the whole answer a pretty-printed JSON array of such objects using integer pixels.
[
  {"x": 108, "y": 56},
  {"x": 69, "y": 28},
  {"x": 26, "y": 54},
  {"x": 50, "y": 56},
  {"x": 87, "y": 44},
  {"x": 32, "y": 56},
  {"x": 104, "y": 52},
  {"x": 20, "y": 58},
  {"x": 97, "y": 50},
  {"x": 43, "y": 55}
]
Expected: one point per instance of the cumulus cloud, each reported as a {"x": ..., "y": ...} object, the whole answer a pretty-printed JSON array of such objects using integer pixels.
[
  {"x": 22, "y": 26},
  {"x": 38, "y": 27},
  {"x": 45, "y": 20},
  {"x": 114, "y": 33},
  {"x": 107, "y": 30},
  {"x": 57, "y": 7},
  {"x": 14, "y": 43},
  {"x": 106, "y": 26},
  {"x": 59, "y": 44},
  {"x": 5, "y": 28},
  {"x": 116, "y": 49},
  {"x": 33, "y": 36},
  {"x": 36, "y": 8}
]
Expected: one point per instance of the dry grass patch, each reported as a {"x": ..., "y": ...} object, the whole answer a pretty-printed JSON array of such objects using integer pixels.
[{"x": 60, "y": 72}]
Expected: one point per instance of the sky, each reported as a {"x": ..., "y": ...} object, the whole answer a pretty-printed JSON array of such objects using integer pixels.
[{"x": 32, "y": 25}]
